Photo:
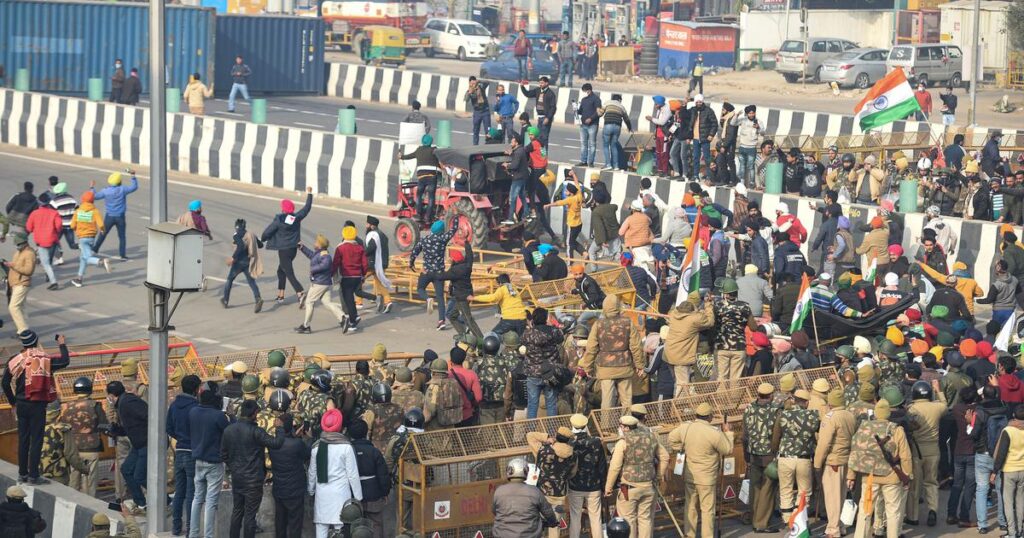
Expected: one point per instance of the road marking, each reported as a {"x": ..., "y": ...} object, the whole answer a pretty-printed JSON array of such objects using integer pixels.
[
  {"x": 182, "y": 334},
  {"x": 233, "y": 347},
  {"x": 202, "y": 340},
  {"x": 313, "y": 125},
  {"x": 216, "y": 279}
]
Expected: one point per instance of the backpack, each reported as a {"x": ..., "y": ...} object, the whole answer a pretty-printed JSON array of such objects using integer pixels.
[
  {"x": 35, "y": 365},
  {"x": 994, "y": 427},
  {"x": 447, "y": 400}
]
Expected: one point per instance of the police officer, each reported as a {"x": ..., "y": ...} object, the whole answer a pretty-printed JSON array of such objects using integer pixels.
[
  {"x": 312, "y": 403},
  {"x": 832, "y": 455},
  {"x": 787, "y": 384},
  {"x": 52, "y": 462},
  {"x": 379, "y": 368},
  {"x": 793, "y": 437},
  {"x": 925, "y": 416},
  {"x": 17, "y": 518},
  {"x": 494, "y": 369},
  {"x": 879, "y": 479},
  {"x": 614, "y": 354},
  {"x": 864, "y": 407},
  {"x": 704, "y": 446},
  {"x": 101, "y": 527},
  {"x": 439, "y": 403},
  {"x": 557, "y": 464},
  {"x": 758, "y": 424},
  {"x": 275, "y": 359},
  {"x": 842, "y": 178},
  {"x": 362, "y": 384},
  {"x": 632, "y": 470},
  {"x": 250, "y": 391},
  {"x": 402, "y": 391},
  {"x": 819, "y": 396},
  {"x": 890, "y": 367},
  {"x": 383, "y": 417},
  {"x": 85, "y": 417},
  {"x": 520, "y": 510},
  {"x": 585, "y": 485}
]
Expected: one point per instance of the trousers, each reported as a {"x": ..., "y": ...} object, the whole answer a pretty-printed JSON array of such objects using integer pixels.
[
  {"x": 637, "y": 510},
  {"x": 31, "y": 423},
  {"x": 892, "y": 496},
  {"x": 86, "y": 482},
  {"x": 246, "y": 502},
  {"x": 288, "y": 514},
  {"x": 322, "y": 293},
  {"x": 793, "y": 471},
  {"x": 762, "y": 494},
  {"x": 1013, "y": 496},
  {"x": 730, "y": 363},
  {"x": 616, "y": 392},
  {"x": 700, "y": 503},
  {"x": 578, "y": 500},
  {"x": 833, "y": 489},
  {"x": 17, "y": 307},
  {"x": 924, "y": 482}
]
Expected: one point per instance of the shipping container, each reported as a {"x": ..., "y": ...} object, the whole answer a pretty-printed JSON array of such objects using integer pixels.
[
  {"x": 957, "y": 28},
  {"x": 64, "y": 44},
  {"x": 766, "y": 30},
  {"x": 680, "y": 42},
  {"x": 286, "y": 54}
]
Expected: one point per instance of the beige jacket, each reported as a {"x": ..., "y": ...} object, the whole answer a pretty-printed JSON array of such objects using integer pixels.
[
  {"x": 684, "y": 326},
  {"x": 835, "y": 436},
  {"x": 924, "y": 424},
  {"x": 704, "y": 446},
  {"x": 876, "y": 179},
  {"x": 196, "y": 93},
  {"x": 902, "y": 452},
  {"x": 875, "y": 245},
  {"x": 22, "y": 266}
]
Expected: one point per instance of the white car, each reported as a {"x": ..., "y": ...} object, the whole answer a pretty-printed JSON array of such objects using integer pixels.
[{"x": 458, "y": 37}]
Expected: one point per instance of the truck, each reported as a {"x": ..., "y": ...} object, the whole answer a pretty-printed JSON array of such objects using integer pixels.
[{"x": 345, "y": 22}]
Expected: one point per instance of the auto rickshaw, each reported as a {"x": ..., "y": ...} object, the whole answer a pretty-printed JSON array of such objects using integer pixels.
[{"x": 386, "y": 45}]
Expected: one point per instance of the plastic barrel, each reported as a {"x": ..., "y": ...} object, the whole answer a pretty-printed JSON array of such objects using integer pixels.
[
  {"x": 21, "y": 80},
  {"x": 444, "y": 134},
  {"x": 95, "y": 89},
  {"x": 773, "y": 178},
  {"x": 646, "y": 165},
  {"x": 173, "y": 97},
  {"x": 259, "y": 111},
  {"x": 908, "y": 196},
  {"x": 347, "y": 121}
]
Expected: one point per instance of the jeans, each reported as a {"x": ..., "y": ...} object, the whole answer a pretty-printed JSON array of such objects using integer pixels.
[
  {"x": 612, "y": 147},
  {"x": 509, "y": 325},
  {"x": 677, "y": 154},
  {"x": 507, "y": 127},
  {"x": 426, "y": 189},
  {"x": 184, "y": 486},
  {"x": 240, "y": 269},
  {"x": 920, "y": 116},
  {"x": 111, "y": 222},
  {"x": 209, "y": 478},
  {"x": 86, "y": 258},
  {"x": 746, "y": 168},
  {"x": 235, "y": 89},
  {"x": 460, "y": 313},
  {"x": 534, "y": 385},
  {"x": 999, "y": 317},
  {"x": 545, "y": 130},
  {"x": 962, "y": 493},
  {"x": 421, "y": 292},
  {"x": 700, "y": 148},
  {"x": 517, "y": 190},
  {"x": 588, "y": 144},
  {"x": 481, "y": 120},
  {"x": 565, "y": 74},
  {"x": 69, "y": 235},
  {"x": 245, "y": 503},
  {"x": 983, "y": 464},
  {"x": 134, "y": 471},
  {"x": 573, "y": 245},
  {"x": 45, "y": 254},
  {"x": 948, "y": 119},
  {"x": 524, "y": 66},
  {"x": 31, "y": 423}
]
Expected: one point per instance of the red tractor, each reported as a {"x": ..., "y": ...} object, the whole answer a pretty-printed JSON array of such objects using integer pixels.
[{"x": 474, "y": 185}]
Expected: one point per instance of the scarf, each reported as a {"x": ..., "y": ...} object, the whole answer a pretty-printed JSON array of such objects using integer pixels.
[
  {"x": 326, "y": 438},
  {"x": 378, "y": 263},
  {"x": 252, "y": 243}
]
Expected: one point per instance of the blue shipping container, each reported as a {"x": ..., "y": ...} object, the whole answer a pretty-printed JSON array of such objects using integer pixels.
[
  {"x": 64, "y": 44},
  {"x": 286, "y": 54}
]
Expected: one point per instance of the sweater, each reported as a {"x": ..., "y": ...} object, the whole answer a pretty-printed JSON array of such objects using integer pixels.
[
  {"x": 178, "y": 425},
  {"x": 636, "y": 231},
  {"x": 207, "y": 427},
  {"x": 349, "y": 260},
  {"x": 508, "y": 300},
  {"x": 87, "y": 221},
  {"x": 116, "y": 197},
  {"x": 65, "y": 204},
  {"x": 45, "y": 226}
]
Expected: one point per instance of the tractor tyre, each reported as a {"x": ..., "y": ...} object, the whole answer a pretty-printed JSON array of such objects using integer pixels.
[
  {"x": 473, "y": 223},
  {"x": 407, "y": 234}
]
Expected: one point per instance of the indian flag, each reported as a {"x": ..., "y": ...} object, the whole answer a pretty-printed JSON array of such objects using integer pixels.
[
  {"x": 803, "y": 309},
  {"x": 798, "y": 521},
  {"x": 689, "y": 281},
  {"x": 872, "y": 272},
  {"x": 889, "y": 100}
]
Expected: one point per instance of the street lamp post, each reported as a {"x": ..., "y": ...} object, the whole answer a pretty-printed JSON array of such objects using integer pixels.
[{"x": 976, "y": 69}]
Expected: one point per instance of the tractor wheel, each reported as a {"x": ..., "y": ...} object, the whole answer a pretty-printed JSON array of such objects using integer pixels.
[
  {"x": 407, "y": 233},
  {"x": 473, "y": 224}
]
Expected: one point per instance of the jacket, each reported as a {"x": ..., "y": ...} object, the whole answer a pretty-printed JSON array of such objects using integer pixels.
[
  {"x": 427, "y": 165},
  {"x": 373, "y": 471},
  {"x": 116, "y": 197},
  {"x": 587, "y": 109},
  {"x": 1014, "y": 256},
  {"x": 636, "y": 230},
  {"x": 758, "y": 253},
  {"x": 1002, "y": 293},
  {"x": 18, "y": 520},
  {"x": 289, "y": 464},
  {"x": 20, "y": 206},
  {"x": 835, "y": 436},
  {"x": 547, "y": 102},
  {"x": 875, "y": 246},
  {"x": 604, "y": 223},
  {"x": 754, "y": 291},
  {"x": 506, "y": 105},
  {"x": 684, "y": 325},
  {"x": 704, "y": 446},
  {"x": 45, "y": 226},
  {"x": 196, "y": 94},
  {"x": 508, "y": 300},
  {"x": 749, "y": 131},
  {"x": 519, "y": 164},
  {"x": 590, "y": 292},
  {"x": 131, "y": 91},
  {"x": 205, "y": 432},
  {"x": 553, "y": 268},
  {"x": 284, "y": 230},
  {"x": 520, "y": 511},
  {"x": 574, "y": 208},
  {"x": 617, "y": 355},
  {"x": 433, "y": 248},
  {"x": 133, "y": 414},
  {"x": 65, "y": 204},
  {"x": 788, "y": 261},
  {"x": 951, "y": 299},
  {"x": 240, "y": 73},
  {"x": 321, "y": 265},
  {"x": 349, "y": 260},
  {"x": 242, "y": 449},
  {"x": 875, "y": 177},
  {"x": 87, "y": 221},
  {"x": 178, "y": 421},
  {"x": 374, "y": 243},
  {"x": 784, "y": 302},
  {"x": 826, "y": 235},
  {"x": 791, "y": 225},
  {"x": 23, "y": 264},
  {"x": 460, "y": 274},
  {"x": 543, "y": 349},
  {"x": 706, "y": 121}
]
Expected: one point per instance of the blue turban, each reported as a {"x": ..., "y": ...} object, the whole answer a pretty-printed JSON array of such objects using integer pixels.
[
  {"x": 427, "y": 140},
  {"x": 544, "y": 248},
  {"x": 659, "y": 100},
  {"x": 437, "y": 227},
  {"x": 195, "y": 205}
]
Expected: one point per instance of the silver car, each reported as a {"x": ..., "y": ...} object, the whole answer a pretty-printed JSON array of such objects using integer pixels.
[
  {"x": 855, "y": 67},
  {"x": 803, "y": 57}
]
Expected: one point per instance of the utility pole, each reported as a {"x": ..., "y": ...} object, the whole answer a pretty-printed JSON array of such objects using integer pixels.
[
  {"x": 976, "y": 66},
  {"x": 156, "y": 455},
  {"x": 533, "y": 17},
  {"x": 895, "y": 22}
]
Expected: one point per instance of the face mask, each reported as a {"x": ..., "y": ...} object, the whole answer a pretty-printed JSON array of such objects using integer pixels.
[{"x": 118, "y": 66}]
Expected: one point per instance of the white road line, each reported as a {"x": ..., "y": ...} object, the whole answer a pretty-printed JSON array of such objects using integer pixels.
[
  {"x": 313, "y": 125},
  {"x": 127, "y": 322},
  {"x": 233, "y": 347},
  {"x": 50, "y": 303},
  {"x": 202, "y": 340},
  {"x": 183, "y": 335},
  {"x": 217, "y": 279}
]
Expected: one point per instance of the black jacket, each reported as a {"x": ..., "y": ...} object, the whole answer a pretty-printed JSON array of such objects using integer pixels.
[
  {"x": 131, "y": 91},
  {"x": 951, "y": 299},
  {"x": 793, "y": 176},
  {"x": 289, "y": 463},
  {"x": 241, "y": 448},
  {"x": 588, "y": 109},
  {"x": 461, "y": 276},
  {"x": 133, "y": 412},
  {"x": 371, "y": 251},
  {"x": 590, "y": 291},
  {"x": 982, "y": 203},
  {"x": 706, "y": 118},
  {"x": 519, "y": 164},
  {"x": 18, "y": 520},
  {"x": 553, "y": 268},
  {"x": 20, "y": 206},
  {"x": 285, "y": 230},
  {"x": 547, "y": 102},
  {"x": 373, "y": 470},
  {"x": 788, "y": 260}
]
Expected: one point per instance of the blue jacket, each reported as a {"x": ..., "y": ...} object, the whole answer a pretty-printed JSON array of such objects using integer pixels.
[
  {"x": 320, "y": 268},
  {"x": 178, "y": 421},
  {"x": 115, "y": 197},
  {"x": 208, "y": 424},
  {"x": 506, "y": 105}
]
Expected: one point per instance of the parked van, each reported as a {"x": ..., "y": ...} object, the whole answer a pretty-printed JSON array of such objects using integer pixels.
[
  {"x": 928, "y": 63},
  {"x": 458, "y": 37},
  {"x": 799, "y": 57}
]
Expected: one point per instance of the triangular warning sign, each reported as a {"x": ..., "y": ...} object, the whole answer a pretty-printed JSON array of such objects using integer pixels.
[
  {"x": 436, "y": 535},
  {"x": 562, "y": 524},
  {"x": 479, "y": 534},
  {"x": 729, "y": 493},
  {"x": 657, "y": 507}
]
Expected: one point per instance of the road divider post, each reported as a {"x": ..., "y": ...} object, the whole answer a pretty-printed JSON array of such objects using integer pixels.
[
  {"x": 173, "y": 99},
  {"x": 444, "y": 134},
  {"x": 21, "y": 79},
  {"x": 259, "y": 111},
  {"x": 95, "y": 89},
  {"x": 347, "y": 121}
]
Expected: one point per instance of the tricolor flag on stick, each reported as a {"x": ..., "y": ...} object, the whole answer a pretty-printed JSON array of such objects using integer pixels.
[
  {"x": 803, "y": 305},
  {"x": 872, "y": 271},
  {"x": 689, "y": 280},
  {"x": 1002, "y": 342},
  {"x": 890, "y": 99},
  {"x": 798, "y": 521}
]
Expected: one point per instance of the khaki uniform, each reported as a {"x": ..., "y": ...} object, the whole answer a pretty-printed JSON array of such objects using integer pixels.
[
  {"x": 818, "y": 403},
  {"x": 633, "y": 457},
  {"x": 879, "y": 481},
  {"x": 794, "y": 435},
  {"x": 704, "y": 446},
  {"x": 831, "y": 457},
  {"x": 407, "y": 397},
  {"x": 84, "y": 416},
  {"x": 758, "y": 425},
  {"x": 130, "y": 530},
  {"x": 925, "y": 417},
  {"x": 614, "y": 354}
]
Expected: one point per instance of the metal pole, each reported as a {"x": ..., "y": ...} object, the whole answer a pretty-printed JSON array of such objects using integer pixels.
[
  {"x": 156, "y": 455},
  {"x": 533, "y": 17},
  {"x": 975, "y": 59},
  {"x": 895, "y": 22}
]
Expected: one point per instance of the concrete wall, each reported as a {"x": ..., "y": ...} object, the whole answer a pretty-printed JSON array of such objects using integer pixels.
[{"x": 768, "y": 29}]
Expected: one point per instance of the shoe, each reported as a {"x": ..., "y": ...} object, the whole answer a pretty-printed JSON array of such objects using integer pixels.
[
  {"x": 76, "y": 282},
  {"x": 106, "y": 264},
  {"x": 442, "y": 326},
  {"x": 302, "y": 300},
  {"x": 343, "y": 324},
  {"x": 351, "y": 329},
  {"x": 967, "y": 524},
  {"x": 430, "y": 305},
  {"x": 59, "y": 261},
  {"x": 387, "y": 308},
  {"x": 224, "y": 302},
  {"x": 983, "y": 530},
  {"x": 122, "y": 258},
  {"x": 259, "y": 306},
  {"x": 914, "y": 522},
  {"x": 606, "y": 168},
  {"x": 23, "y": 479},
  {"x": 932, "y": 518},
  {"x": 38, "y": 481},
  {"x": 53, "y": 287},
  {"x": 302, "y": 329},
  {"x": 380, "y": 304},
  {"x": 280, "y": 300},
  {"x": 952, "y": 520},
  {"x": 231, "y": 111}
]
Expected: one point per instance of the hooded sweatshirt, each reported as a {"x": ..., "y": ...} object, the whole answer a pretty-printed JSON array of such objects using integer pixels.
[
  {"x": 1011, "y": 389},
  {"x": 87, "y": 221}
]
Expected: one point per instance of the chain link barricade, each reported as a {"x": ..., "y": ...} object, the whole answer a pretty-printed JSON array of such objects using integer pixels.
[
  {"x": 256, "y": 360},
  {"x": 86, "y": 356},
  {"x": 448, "y": 477},
  {"x": 558, "y": 293},
  {"x": 405, "y": 279},
  {"x": 345, "y": 365}
]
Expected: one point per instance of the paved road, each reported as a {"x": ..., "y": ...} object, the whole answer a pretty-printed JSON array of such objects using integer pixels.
[{"x": 114, "y": 306}]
